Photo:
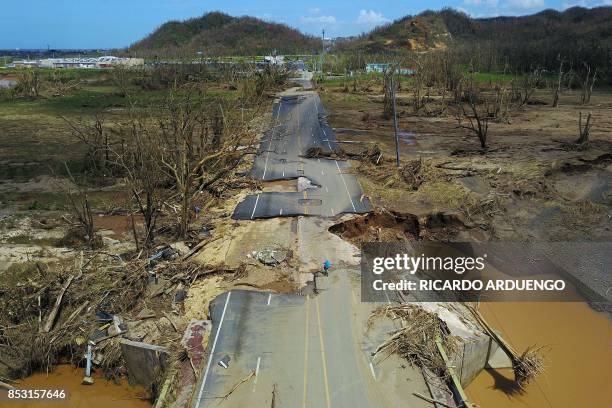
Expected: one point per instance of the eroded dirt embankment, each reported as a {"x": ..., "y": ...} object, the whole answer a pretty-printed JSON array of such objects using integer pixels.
[{"x": 391, "y": 226}]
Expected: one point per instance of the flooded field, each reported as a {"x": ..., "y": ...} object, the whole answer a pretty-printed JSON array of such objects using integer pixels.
[
  {"x": 101, "y": 394},
  {"x": 578, "y": 356}
]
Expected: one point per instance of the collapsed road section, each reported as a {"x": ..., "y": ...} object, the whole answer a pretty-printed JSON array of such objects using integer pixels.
[{"x": 298, "y": 125}]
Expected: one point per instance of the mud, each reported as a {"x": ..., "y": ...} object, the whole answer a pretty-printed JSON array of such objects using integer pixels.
[
  {"x": 102, "y": 394},
  {"x": 379, "y": 226},
  {"x": 391, "y": 226},
  {"x": 577, "y": 356}
]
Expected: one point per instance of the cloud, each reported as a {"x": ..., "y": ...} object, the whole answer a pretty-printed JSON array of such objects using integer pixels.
[
  {"x": 264, "y": 16},
  {"x": 525, "y": 4},
  {"x": 371, "y": 17},
  {"x": 321, "y": 19},
  {"x": 491, "y": 3},
  {"x": 314, "y": 10}
]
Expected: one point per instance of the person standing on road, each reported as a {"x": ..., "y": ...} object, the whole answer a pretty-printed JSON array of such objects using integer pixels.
[{"x": 326, "y": 266}]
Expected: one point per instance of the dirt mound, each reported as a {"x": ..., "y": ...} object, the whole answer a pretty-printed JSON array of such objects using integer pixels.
[{"x": 380, "y": 225}]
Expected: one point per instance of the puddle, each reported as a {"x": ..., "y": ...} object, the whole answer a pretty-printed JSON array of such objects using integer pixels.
[
  {"x": 120, "y": 226},
  {"x": 577, "y": 360},
  {"x": 101, "y": 394},
  {"x": 407, "y": 137}
]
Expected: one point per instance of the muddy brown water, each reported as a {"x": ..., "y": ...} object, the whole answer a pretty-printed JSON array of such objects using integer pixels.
[
  {"x": 102, "y": 394},
  {"x": 578, "y": 356}
]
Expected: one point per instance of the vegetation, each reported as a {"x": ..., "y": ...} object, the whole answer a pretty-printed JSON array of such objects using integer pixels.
[
  {"x": 218, "y": 34},
  {"x": 581, "y": 37}
]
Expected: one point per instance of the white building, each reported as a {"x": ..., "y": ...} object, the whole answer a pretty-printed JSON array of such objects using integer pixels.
[{"x": 80, "y": 63}]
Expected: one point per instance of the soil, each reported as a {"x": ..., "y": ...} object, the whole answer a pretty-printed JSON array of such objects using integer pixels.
[
  {"x": 527, "y": 185},
  {"x": 392, "y": 226}
]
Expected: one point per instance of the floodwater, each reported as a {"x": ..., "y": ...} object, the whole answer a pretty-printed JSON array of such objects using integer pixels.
[
  {"x": 578, "y": 356},
  {"x": 102, "y": 394}
]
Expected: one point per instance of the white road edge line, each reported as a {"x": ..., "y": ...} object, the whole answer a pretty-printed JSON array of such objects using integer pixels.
[
  {"x": 263, "y": 177},
  {"x": 281, "y": 212},
  {"x": 255, "y": 206},
  {"x": 330, "y": 148},
  {"x": 257, "y": 369},
  {"x": 269, "y": 298},
  {"x": 212, "y": 350},
  {"x": 345, "y": 186},
  {"x": 372, "y": 370}
]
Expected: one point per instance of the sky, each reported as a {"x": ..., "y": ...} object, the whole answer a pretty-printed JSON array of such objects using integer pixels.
[{"x": 119, "y": 23}]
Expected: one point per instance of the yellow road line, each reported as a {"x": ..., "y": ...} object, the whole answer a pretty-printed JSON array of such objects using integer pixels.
[
  {"x": 323, "y": 357},
  {"x": 306, "y": 351},
  {"x": 305, "y": 204}
]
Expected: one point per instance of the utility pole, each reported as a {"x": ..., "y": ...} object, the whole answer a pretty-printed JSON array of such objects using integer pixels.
[
  {"x": 397, "y": 149},
  {"x": 322, "y": 52}
]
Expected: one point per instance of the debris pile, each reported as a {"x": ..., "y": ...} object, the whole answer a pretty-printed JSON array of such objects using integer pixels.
[
  {"x": 411, "y": 172},
  {"x": 415, "y": 340},
  {"x": 51, "y": 313},
  {"x": 422, "y": 329},
  {"x": 270, "y": 256},
  {"x": 526, "y": 365}
]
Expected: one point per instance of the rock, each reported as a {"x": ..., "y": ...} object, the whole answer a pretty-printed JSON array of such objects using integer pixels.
[
  {"x": 272, "y": 256},
  {"x": 180, "y": 247},
  {"x": 107, "y": 241}
]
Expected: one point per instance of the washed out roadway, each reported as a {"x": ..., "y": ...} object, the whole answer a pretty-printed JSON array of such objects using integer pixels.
[{"x": 299, "y": 124}]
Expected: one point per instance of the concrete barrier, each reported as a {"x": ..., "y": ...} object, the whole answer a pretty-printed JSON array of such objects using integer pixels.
[{"x": 144, "y": 361}]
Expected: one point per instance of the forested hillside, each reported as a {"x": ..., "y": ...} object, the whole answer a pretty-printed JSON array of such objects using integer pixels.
[
  {"x": 216, "y": 34},
  {"x": 577, "y": 36}
]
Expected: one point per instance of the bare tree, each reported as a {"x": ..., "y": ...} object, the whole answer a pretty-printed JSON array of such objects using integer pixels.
[
  {"x": 140, "y": 159},
  {"x": 474, "y": 114},
  {"x": 557, "y": 92},
  {"x": 586, "y": 84},
  {"x": 96, "y": 136},
  {"x": 501, "y": 103},
  {"x": 389, "y": 88},
  {"x": 584, "y": 131},
  {"x": 81, "y": 210},
  {"x": 201, "y": 144},
  {"x": 524, "y": 88}
]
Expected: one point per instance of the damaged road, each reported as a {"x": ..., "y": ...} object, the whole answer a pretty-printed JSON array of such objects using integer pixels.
[
  {"x": 308, "y": 349},
  {"x": 305, "y": 349},
  {"x": 299, "y": 125}
]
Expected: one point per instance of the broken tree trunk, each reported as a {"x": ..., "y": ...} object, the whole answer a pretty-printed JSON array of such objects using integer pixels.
[
  {"x": 5, "y": 386},
  {"x": 78, "y": 266},
  {"x": 58, "y": 303}
]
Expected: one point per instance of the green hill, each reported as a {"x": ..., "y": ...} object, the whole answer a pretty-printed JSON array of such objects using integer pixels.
[
  {"x": 579, "y": 35},
  {"x": 218, "y": 34}
]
